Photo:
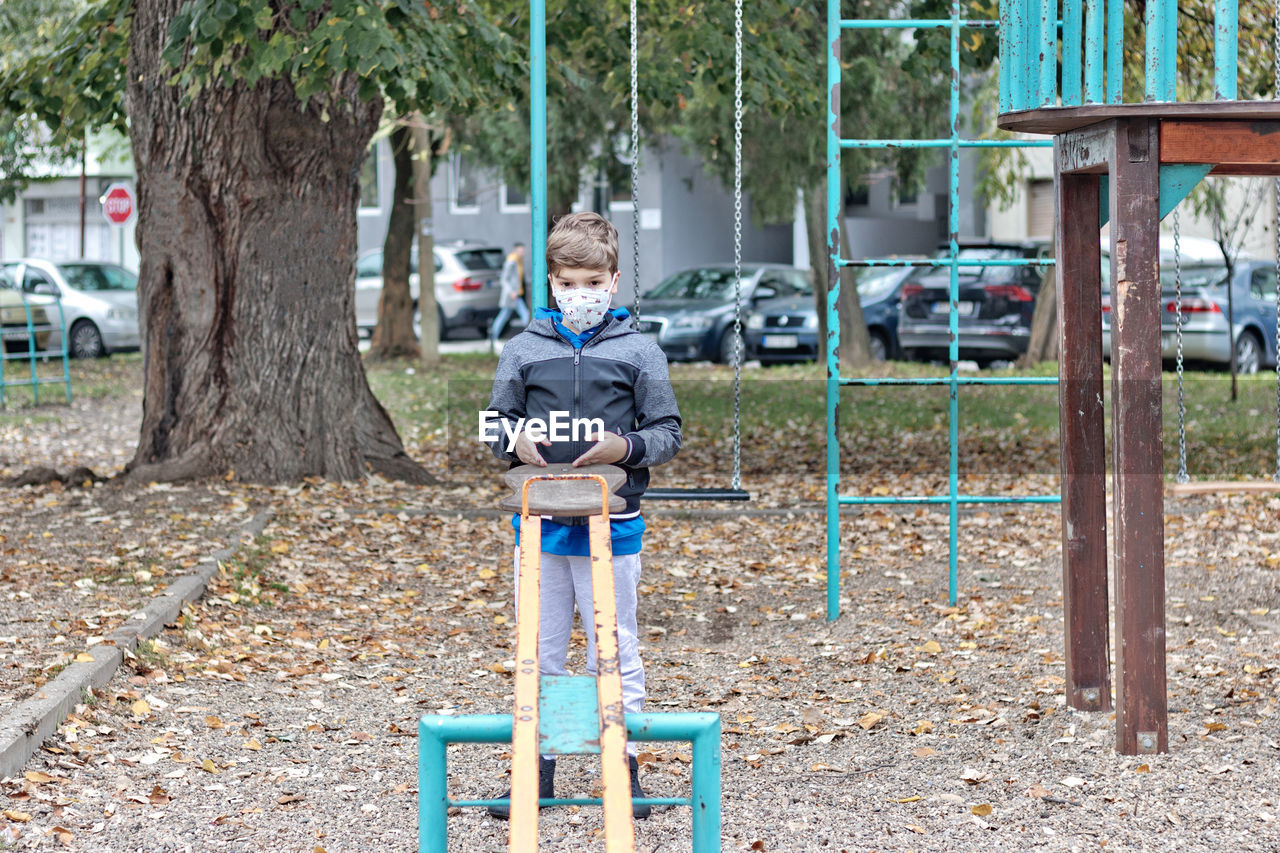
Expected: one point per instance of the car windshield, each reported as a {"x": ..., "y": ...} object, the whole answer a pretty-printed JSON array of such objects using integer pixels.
[
  {"x": 6, "y": 279},
  {"x": 711, "y": 283},
  {"x": 98, "y": 277},
  {"x": 875, "y": 283},
  {"x": 481, "y": 259}
]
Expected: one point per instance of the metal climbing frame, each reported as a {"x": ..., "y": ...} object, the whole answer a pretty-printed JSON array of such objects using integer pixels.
[
  {"x": 952, "y": 144},
  {"x": 33, "y": 354}
]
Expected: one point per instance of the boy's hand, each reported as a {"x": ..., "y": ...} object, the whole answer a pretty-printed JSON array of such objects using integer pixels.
[
  {"x": 612, "y": 448},
  {"x": 528, "y": 453}
]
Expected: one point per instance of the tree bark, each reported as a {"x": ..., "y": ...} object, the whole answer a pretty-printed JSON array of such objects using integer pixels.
[
  {"x": 431, "y": 330},
  {"x": 1042, "y": 345},
  {"x": 247, "y": 233},
  {"x": 855, "y": 341},
  {"x": 393, "y": 337}
]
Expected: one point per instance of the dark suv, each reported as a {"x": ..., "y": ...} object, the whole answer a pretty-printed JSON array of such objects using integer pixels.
[{"x": 994, "y": 305}]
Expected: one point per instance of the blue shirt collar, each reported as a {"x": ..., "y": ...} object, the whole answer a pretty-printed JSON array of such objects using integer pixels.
[{"x": 579, "y": 338}]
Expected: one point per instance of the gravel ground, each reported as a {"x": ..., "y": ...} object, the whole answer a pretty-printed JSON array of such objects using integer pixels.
[{"x": 279, "y": 712}]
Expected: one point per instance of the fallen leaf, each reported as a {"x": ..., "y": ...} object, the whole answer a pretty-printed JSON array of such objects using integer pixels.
[
  {"x": 253, "y": 745},
  {"x": 63, "y": 835},
  {"x": 913, "y": 799},
  {"x": 924, "y": 752},
  {"x": 213, "y": 722},
  {"x": 930, "y": 648},
  {"x": 923, "y": 727},
  {"x": 38, "y": 777},
  {"x": 159, "y": 796},
  {"x": 84, "y": 657},
  {"x": 870, "y": 719},
  {"x": 981, "y": 810},
  {"x": 1142, "y": 768},
  {"x": 1216, "y": 727},
  {"x": 208, "y": 766},
  {"x": 17, "y": 816},
  {"x": 1038, "y": 791},
  {"x": 974, "y": 777},
  {"x": 920, "y": 830},
  {"x": 140, "y": 708},
  {"x": 290, "y": 798}
]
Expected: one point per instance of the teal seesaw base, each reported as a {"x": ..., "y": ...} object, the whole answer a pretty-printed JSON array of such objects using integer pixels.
[{"x": 570, "y": 702}]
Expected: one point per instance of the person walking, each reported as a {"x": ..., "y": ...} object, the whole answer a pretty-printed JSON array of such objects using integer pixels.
[{"x": 512, "y": 298}]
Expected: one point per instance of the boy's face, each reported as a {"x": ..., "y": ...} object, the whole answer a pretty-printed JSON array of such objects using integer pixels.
[{"x": 569, "y": 278}]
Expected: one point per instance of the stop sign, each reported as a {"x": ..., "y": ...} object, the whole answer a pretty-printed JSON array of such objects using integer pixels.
[{"x": 117, "y": 204}]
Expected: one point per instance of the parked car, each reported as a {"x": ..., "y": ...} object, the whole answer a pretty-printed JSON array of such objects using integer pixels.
[
  {"x": 467, "y": 285},
  {"x": 19, "y": 315},
  {"x": 786, "y": 329},
  {"x": 99, "y": 302},
  {"x": 994, "y": 306},
  {"x": 691, "y": 313},
  {"x": 1204, "y": 307}
]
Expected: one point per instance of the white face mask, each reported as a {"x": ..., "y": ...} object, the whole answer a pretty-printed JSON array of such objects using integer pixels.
[{"x": 583, "y": 307}]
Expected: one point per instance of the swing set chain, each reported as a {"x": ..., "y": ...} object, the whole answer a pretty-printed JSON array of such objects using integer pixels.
[
  {"x": 635, "y": 163},
  {"x": 1177, "y": 302},
  {"x": 737, "y": 244}
]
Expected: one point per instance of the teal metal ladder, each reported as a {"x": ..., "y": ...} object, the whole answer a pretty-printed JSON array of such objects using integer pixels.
[
  {"x": 34, "y": 355},
  {"x": 952, "y": 144}
]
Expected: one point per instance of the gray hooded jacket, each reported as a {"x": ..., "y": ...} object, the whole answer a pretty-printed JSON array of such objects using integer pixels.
[{"x": 618, "y": 376}]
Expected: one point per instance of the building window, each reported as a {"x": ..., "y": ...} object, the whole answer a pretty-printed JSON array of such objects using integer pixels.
[
  {"x": 1040, "y": 208},
  {"x": 513, "y": 200},
  {"x": 369, "y": 173},
  {"x": 464, "y": 194}
]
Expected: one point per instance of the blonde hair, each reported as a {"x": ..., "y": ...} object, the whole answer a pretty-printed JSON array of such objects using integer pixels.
[{"x": 583, "y": 241}]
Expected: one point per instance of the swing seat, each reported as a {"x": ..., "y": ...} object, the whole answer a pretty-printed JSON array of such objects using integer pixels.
[{"x": 697, "y": 495}]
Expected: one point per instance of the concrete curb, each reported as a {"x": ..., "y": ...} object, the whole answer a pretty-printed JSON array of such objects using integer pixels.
[{"x": 25, "y": 726}]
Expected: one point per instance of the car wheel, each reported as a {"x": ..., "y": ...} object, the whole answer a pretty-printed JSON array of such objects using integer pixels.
[
  {"x": 879, "y": 347},
  {"x": 1248, "y": 353},
  {"x": 86, "y": 340},
  {"x": 728, "y": 347}
]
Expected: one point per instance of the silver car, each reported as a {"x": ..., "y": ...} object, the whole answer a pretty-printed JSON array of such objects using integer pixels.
[
  {"x": 467, "y": 286},
  {"x": 99, "y": 302}
]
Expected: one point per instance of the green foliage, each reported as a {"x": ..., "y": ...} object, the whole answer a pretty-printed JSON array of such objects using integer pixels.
[{"x": 415, "y": 54}]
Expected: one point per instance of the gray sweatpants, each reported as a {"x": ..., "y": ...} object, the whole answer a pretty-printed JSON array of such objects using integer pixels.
[{"x": 566, "y": 580}]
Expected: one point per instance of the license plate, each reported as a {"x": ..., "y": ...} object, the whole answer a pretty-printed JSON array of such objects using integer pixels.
[
  {"x": 780, "y": 341},
  {"x": 963, "y": 309}
]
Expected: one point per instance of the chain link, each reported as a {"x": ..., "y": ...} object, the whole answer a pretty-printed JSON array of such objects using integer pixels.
[
  {"x": 1177, "y": 303},
  {"x": 737, "y": 244},
  {"x": 635, "y": 162}
]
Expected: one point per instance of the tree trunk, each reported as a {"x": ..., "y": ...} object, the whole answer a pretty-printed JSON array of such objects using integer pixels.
[
  {"x": 247, "y": 233},
  {"x": 1042, "y": 345},
  {"x": 855, "y": 341},
  {"x": 393, "y": 337},
  {"x": 431, "y": 330}
]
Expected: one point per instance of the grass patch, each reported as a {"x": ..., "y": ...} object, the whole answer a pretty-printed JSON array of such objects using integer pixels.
[
  {"x": 246, "y": 575},
  {"x": 114, "y": 377}
]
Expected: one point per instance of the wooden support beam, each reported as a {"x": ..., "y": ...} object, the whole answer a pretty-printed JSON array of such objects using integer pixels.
[
  {"x": 1230, "y": 147},
  {"x": 1084, "y": 150},
  {"x": 1141, "y": 702},
  {"x": 1083, "y": 449}
]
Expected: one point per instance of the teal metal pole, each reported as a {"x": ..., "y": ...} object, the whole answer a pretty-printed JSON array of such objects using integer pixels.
[
  {"x": 1226, "y": 49},
  {"x": 706, "y": 787},
  {"x": 953, "y": 316},
  {"x": 1115, "y": 51},
  {"x": 433, "y": 798},
  {"x": 1003, "y": 58},
  {"x": 833, "y": 314},
  {"x": 538, "y": 147},
  {"x": 1169, "y": 47},
  {"x": 1047, "y": 88},
  {"x": 1072, "y": 55},
  {"x": 1094, "y": 51}
]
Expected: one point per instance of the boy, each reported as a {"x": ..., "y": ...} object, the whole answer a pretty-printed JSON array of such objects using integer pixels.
[{"x": 589, "y": 362}]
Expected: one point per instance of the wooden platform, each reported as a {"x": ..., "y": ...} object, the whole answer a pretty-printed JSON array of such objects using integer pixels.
[{"x": 1051, "y": 120}]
